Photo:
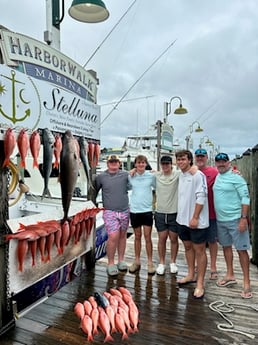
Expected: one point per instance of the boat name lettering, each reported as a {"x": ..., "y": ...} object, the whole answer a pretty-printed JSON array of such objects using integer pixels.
[{"x": 73, "y": 108}]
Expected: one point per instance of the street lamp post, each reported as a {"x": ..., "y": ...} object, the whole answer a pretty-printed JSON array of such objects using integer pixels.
[
  {"x": 191, "y": 129},
  {"x": 167, "y": 110},
  {"x": 87, "y": 11},
  {"x": 178, "y": 111}
]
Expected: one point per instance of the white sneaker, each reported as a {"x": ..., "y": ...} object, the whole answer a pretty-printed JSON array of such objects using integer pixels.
[
  {"x": 161, "y": 269},
  {"x": 173, "y": 268}
]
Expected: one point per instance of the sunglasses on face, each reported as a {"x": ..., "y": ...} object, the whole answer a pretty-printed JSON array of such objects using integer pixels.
[{"x": 165, "y": 163}]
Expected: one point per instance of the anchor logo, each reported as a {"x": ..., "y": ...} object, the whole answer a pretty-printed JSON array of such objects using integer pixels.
[{"x": 14, "y": 83}]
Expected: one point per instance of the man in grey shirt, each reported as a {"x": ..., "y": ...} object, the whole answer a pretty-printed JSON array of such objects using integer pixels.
[{"x": 114, "y": 185}]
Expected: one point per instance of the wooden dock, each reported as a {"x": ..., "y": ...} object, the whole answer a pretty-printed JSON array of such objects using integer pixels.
[{"x": 168, "y": 314}]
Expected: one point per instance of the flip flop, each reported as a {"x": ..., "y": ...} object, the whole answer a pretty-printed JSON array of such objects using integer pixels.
[
  {"x": 112, "y": 270},
  {"x": 226, "y": 282},
  {"x": 213, "y": 275},
  {"x": 198, "y": 293},
  {"x": 246, "y": 294},
  {"x": 184, "y": 281}
]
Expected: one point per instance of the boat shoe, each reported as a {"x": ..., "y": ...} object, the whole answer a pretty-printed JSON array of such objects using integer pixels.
[{"x": 134, "y": 267}]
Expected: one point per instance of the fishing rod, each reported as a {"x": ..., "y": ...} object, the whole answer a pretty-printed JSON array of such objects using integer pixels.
[
  {"x": 141, "y": 76},
  {"x": 95, "y": 51},
  {"x": 127, "y": 100}
]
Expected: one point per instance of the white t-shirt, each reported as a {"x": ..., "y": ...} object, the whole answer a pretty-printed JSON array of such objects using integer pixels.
[{"x": 192, "y": 189}]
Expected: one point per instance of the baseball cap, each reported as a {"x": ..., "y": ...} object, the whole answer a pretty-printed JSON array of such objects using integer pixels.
[
  {"x": 200, "y": 152},
  {"x": 221, "y": 156},
  {"x": 113, "y": 158},
  {"x": 166, "y": 159}
]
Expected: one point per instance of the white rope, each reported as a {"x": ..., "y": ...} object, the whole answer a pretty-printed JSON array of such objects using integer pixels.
[{"x": 223, "y": 308}]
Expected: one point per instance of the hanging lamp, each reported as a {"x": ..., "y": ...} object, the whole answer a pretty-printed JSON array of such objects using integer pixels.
[{"x": 88, "y": 11}]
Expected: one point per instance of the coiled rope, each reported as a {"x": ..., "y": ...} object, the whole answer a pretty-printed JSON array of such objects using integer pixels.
[{"x": 222, "y": 308}]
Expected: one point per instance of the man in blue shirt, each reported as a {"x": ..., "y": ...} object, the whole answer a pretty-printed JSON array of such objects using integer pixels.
[
  {"x": 142, "y": 184},
  {"x": 231, "y": 201}
]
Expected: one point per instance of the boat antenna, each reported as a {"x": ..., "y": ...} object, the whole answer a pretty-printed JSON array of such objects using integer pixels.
[
  {"x": 95, "y": 51},
  {"x": 141, "y": 76}
]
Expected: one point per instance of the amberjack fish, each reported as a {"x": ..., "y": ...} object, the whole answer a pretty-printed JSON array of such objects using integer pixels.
[
  {"x": 69, "y": 169},
  {"x": 48, "y": 144},
  {"x": 84, "y": 159}
]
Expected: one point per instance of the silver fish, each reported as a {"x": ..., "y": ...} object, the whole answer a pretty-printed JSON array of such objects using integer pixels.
[
  {"x": 69, "y": 170},
  {"x": 84, "y": 159},
  {"x": 48, "y": 146},
  {"x": 101, "y": 300}
]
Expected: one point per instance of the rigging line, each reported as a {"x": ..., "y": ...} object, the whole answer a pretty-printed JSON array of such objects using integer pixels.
[
  {"x": 110, "y": 32},
  {"x": 127, "y": 100},
  {"x": 133, "y": 85}
]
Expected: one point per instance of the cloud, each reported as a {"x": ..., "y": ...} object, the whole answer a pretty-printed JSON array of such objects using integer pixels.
[{"x": 212, "y": 66}]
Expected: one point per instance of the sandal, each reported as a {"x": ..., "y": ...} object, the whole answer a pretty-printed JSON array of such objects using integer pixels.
[
  {"x": 112, "y": 270},
  {"x": 246, "y": 294},
  {"x": 198, "y": 293},
  {"x": 226, "y": 282},
  {"x": 122, "y": 266},
  {"x": 213, "y": 275}
]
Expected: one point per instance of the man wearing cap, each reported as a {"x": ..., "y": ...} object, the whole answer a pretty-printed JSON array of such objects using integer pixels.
[
  {"x": 231, "y": 201},
  {"x": 166, "y": 211},
  {"x": 201, "y": 160},
  {"x": 114, "y": 185}
]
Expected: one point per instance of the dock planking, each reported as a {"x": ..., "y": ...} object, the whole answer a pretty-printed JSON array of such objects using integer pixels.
[{"x": 168, "y": 314}]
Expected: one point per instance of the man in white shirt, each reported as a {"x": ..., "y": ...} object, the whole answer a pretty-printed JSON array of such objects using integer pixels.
[{"x": 193, "y": 220}]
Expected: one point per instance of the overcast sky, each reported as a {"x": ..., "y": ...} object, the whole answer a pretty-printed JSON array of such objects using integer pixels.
[{"x": 212, "y": 66}]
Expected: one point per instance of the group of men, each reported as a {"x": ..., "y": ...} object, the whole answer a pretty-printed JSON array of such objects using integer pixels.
[{"x": 197, "y": 203}]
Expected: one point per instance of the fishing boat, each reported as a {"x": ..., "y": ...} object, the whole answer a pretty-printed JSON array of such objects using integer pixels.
[{"x": 153, "y": 144}]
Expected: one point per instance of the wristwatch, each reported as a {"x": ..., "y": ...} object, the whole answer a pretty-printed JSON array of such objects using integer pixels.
[{"x": 242, "y": 216}]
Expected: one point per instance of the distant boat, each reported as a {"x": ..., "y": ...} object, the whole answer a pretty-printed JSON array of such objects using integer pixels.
[{"x": 142, "y": 144}]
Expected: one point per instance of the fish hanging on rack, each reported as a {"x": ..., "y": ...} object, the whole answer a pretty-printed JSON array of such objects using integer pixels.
[
  {"x": 48, "y": 147},
  {"x": 84, "y": 159},
  {"x": 69, "y": 170},
  {"x": 57, "y": 150},
  {"x": 9, "y": 145},
  {"x": 35, "y": 147},
  {"x": 23, "y": 146}
]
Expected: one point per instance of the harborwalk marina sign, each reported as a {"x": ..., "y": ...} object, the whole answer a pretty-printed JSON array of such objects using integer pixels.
[{"x": 42, "y": 88}]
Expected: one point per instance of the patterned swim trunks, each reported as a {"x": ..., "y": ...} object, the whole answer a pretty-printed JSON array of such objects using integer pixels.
[{"x": 115, "y": 221}]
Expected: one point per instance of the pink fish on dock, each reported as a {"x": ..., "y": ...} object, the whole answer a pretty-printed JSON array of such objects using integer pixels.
[
  {"x": 120, "y": 326},
  {"x": 105, "y": 326},
  {"x": 79, "y": 310},
  {"x": 86, "y": 325}
]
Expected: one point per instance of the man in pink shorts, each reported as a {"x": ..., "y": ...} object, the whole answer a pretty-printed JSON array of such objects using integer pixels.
[{"x": 114, "y": 185}]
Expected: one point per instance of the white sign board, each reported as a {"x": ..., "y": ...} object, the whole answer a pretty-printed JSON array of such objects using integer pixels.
[{"x": 31, "y": 103}]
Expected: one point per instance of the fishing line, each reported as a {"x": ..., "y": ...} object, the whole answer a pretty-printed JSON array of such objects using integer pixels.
[
  {"x": 133, "y": 85},
  {"x": 95, "y": 51}
]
